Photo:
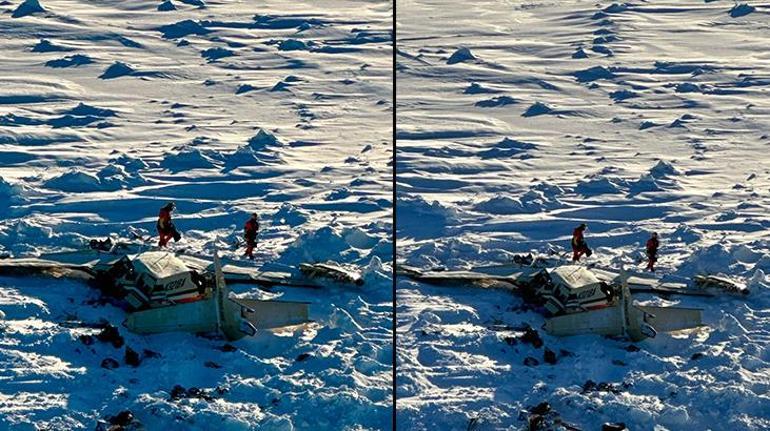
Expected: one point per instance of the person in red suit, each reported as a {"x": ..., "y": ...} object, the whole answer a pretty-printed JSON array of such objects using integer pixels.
[
  {"x": 166, "y": 228},
  {"x": 250, "y": 230},
  {"x": 579, "y": 245},
  {"x": 652, "y": 251}
]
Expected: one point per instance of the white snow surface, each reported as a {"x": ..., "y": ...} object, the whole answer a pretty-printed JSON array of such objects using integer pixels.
[
  {"x": 109, "y": 109},
  {"x": 519, "y": 120}
]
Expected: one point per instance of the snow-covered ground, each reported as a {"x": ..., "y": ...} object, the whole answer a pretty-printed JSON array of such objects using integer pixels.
[
  {"x": 109, "y": 109},
  {"x": 519, "y": 120}
]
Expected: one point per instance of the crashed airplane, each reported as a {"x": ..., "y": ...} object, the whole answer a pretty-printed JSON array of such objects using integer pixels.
[
  {"x": 166, "y": 292},
  {"x": 580, "y": 300}
]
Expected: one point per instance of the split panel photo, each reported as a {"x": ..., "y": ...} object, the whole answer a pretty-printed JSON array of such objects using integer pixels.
[{"x": 384, "y": 215}]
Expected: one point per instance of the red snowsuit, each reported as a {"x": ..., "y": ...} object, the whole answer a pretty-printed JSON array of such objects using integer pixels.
[
  {"x": 165, "y": 228},
  {"x": 652, "y": 253},
  {"x": 579, "y": 246},
  {"x": 250, "y": 230}
]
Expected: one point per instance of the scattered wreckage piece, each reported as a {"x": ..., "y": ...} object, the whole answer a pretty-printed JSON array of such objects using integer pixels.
[
  {"x": 509, "y": 282},
  {"x": 711, "y": 283},
  {"x": 520, "y": 261},
  {"x": 264, "y": 279},
  {"x": 218, "y": 312},
  {"x": 332, "y": 271},
  {"x": 459, "y": 277},
  {"x": 641, "y": 284},
  {"x": 625, "y": 318},
  {"x": 44, "y": 268}
]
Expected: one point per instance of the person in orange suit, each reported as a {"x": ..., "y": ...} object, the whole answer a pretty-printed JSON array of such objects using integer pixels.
[
  {"x": 652, "y": 251},
  {"x": 166, "y": 228},
  {"x": 250, "y": 230},
  {"x": 579, "y": 245}
]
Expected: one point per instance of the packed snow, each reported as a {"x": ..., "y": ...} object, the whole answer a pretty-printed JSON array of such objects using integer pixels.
[
  {"x": 108, "y": 110},
  {"x": 517, "y": 121}
]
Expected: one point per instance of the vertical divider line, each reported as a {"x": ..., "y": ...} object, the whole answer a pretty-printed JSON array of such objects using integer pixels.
[{"x": 393, "y": 229}]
